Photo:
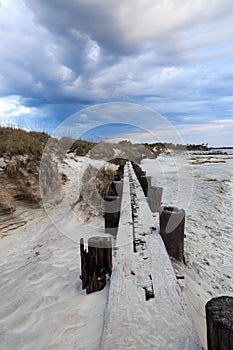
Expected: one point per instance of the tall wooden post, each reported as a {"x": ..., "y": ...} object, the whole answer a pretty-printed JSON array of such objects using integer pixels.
[
  {"x": 121, "y": 170},
  {"x": 149, "y": 179},
  {"x": 219, "y": 319},
  {"x": 83, "y": 254},
  {"x": 96, "y": 263},
  {"x": 112, "y": 205},
  {"x": 154, "y": 198},
  {"x": 119, "y": 188},
  {"x": 144, "y": 184},
  {"x": 172, "y": 221}
]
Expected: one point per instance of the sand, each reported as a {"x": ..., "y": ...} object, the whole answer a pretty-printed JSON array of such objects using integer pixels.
[
  {"x": 204, "y": 190},
  {"x": 42, "y": 303}
]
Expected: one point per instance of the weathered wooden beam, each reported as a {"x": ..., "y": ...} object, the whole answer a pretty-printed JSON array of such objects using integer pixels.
[
  {"x": 145, "y": 307},
  {"x": 172, "y": 221},
  {"x": 96, "y": 263},
  {"x": 219, "y": 319}
]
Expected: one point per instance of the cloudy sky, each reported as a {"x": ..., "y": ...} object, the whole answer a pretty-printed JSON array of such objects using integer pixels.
[{"x": 171, "y": 56}]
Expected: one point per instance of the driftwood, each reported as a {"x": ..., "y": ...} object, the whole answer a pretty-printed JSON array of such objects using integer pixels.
[
  {"x": 96, "y": 263},
  {"x": 219, "y": 319},
  {"x": 172, "y": 221}
]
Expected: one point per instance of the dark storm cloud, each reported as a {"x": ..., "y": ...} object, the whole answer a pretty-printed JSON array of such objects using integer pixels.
[
  {"x": 175, "y": 57},
  {"x": 96, "y": 19}
]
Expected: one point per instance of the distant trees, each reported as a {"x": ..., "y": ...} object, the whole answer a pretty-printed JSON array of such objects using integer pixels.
[
  {"x": 125, "y": 143},
  {"x": 160, "y": 147},
  {"x": 200, "y": 147}
]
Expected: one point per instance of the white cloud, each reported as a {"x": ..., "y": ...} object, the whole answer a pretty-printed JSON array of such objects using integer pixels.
[
  {"x": 168, "y": 73},
  {"x": 224, "y": 121},
  {"x": 145, "y": 20},
  {"x": 93, "y": 50},
  {"x": 173, "y": 56},
  {"x": 227, "y": 98},
  {"x": 12, "y": 107},
  {"x": 213, "y": 133}
]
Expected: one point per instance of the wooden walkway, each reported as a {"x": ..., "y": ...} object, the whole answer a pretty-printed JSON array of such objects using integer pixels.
[{"x": 145, "y": 308}]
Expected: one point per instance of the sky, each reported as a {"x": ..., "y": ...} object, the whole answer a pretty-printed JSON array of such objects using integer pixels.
[{"x": 173, "y": 58}]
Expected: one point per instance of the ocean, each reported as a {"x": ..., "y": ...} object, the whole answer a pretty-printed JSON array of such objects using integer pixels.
[{"x": 227, "y": 150}]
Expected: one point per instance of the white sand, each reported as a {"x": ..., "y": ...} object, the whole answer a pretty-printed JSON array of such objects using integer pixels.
[
  {"x": 205, "y": 191},
  {"x": 43, "y": 305}
]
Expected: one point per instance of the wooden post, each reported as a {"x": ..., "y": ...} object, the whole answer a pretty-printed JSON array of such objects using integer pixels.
[
  {"x": 119, "y": 173},
  {"x": 96, "y": 263},
  {"x": 219, "y": 319},
  {"x": 83, "y": 254},
  {"x": 112, "y": 205},
  {"x": 149, "y": 178},
  {"x": 142, "y": 178},
  {"x": 112, "y": 189},
  {"x": 144, "y": 184},
  {"x": 117, "y": 177},
  {"x": 172, "y": 222},
  {"x": 118, "y": 188},
  {"x": 154, "y": 198},
  {"x": 138, "y": 170},
  {"x": 121, "y": 170}
]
